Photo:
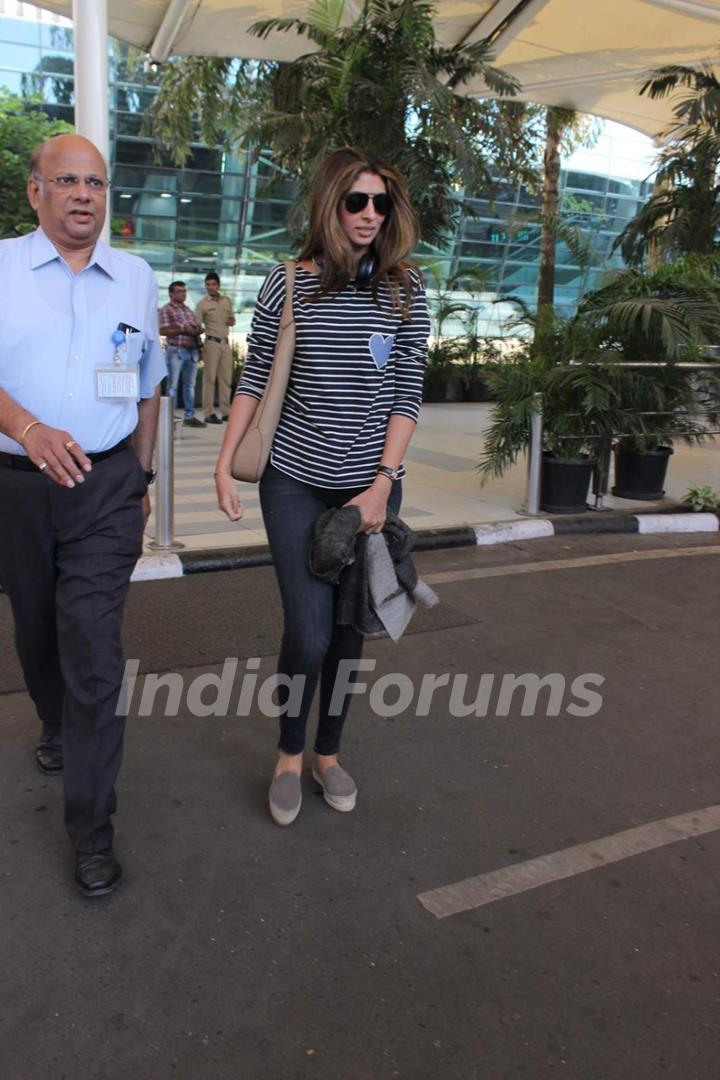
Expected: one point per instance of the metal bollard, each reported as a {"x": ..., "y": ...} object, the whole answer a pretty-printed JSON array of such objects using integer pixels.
[
  {"x": 535, "y": 458},
  {"x": 165, "y": 481},
  {"x": 601, "y": 472}
]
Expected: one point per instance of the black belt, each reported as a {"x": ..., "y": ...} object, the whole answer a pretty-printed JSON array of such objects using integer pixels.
[
  {"x": 20, "y": 461},
  {"x": 220, "y": 340}
]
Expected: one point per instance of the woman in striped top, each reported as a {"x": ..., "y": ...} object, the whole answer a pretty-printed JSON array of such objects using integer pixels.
[{"x": 361, "y": 330}]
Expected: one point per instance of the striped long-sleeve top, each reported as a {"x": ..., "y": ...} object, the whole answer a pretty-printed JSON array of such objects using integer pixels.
[{"x": 357, "y": 363}]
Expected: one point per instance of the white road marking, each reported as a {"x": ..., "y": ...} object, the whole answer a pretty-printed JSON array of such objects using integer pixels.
[
  {"x": 568, "y": 564},
  {"x": 475, "y": 892}
]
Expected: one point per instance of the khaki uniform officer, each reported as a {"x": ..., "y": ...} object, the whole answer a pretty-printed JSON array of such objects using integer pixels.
[{"x": 215, "y": 314}]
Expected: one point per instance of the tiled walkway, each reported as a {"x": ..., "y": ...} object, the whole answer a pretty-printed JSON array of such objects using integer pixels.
[{"x": 442, "y": 487}]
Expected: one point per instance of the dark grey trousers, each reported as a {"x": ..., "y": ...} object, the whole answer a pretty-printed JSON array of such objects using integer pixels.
[
  {"x": 66, "y": 557},
  {"x": 313, "y": 644}
]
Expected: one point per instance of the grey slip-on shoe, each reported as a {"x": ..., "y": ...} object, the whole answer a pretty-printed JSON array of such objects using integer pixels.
[
  {"x": 285, "y": 798},
  {"x": 339, "y": 788}
]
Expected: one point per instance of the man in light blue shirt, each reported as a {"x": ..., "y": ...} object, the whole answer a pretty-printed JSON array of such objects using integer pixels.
[{"x": 80, "y": 367}]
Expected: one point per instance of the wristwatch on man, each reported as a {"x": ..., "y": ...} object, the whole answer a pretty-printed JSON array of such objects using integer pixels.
[
  {"x": 385, "y": 470},
  {"x": 150, "y": 475}
]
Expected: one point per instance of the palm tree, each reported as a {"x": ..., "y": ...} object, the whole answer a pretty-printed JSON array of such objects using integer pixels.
[
  {"x": 669, "y": 313},
  {"x": 380, "y": 81},
  {"x": 556, "y": 121},
  {"x": 552, "y": 131},
  {"x": 683, "y": 213}
]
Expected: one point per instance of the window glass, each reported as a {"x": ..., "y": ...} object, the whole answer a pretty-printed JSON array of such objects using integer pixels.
[
  {"x": 128, "y": 123},
  {"x": 54, "y": 88},
  {"x": 206, "y": 158},
  {"x": 20, "y": 31},
  {"x": 135, "y": 99},
  {"x": 17, "y": 57},
  {"x": 12, "y": 80},
  {"x": 586, "y": 181},
  {"x": 136, "y": 152},
  {"x": 57, "y": 37},
  {"x": 147, "y": 228},
  {"x": 201, "y": 182},
  {"x": 59, "y": 63}
]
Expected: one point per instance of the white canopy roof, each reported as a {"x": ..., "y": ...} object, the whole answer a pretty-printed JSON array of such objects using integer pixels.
[{"x": 583, "y": 54}]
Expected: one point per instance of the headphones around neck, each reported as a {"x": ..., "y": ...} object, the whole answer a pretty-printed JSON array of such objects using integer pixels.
[{"x": 366, "y": 269}]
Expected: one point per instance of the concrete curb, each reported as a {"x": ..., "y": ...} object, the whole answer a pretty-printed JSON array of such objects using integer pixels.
[{"x": 170, "y": 565}]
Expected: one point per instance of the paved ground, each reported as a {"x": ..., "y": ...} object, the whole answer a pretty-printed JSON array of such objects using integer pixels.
[
  {"x": 442, "y": 487},
  {"x": 236, "y": 949}
]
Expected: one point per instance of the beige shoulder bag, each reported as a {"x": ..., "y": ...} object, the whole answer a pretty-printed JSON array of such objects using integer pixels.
[{"x": 252, "y": 452}]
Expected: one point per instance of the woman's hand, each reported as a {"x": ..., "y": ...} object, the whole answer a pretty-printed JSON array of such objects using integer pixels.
[
  {"x": 227, "y": 496},
  {"x": 372, "y": 505}
]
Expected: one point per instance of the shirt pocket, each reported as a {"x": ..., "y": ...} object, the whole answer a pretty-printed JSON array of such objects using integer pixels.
[{"x": 131, "y": 352}]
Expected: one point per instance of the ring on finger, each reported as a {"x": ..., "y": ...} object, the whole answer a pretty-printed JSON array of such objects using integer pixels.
[
  {"x": 69, "y": 445},
  {"x": 43, "y": 466}
]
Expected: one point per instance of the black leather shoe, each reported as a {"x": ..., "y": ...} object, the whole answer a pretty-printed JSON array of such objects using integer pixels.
[
  {"x": 49, "y": 758},
  {"x": 97, "y": 874},
  {"x": 213, "y": 419}
]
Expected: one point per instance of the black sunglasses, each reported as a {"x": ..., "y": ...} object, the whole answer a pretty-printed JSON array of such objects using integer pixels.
[{"x": 358, "y": 200}]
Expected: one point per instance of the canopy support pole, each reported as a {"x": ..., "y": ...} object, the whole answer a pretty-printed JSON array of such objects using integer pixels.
[{"x": 92, "y": 102}]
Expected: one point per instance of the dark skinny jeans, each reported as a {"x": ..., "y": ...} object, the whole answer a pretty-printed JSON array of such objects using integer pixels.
[{"x": 313, "y": 643}]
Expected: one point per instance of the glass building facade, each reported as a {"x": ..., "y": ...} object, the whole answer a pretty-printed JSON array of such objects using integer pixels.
[{"x": 216, "y": 212}]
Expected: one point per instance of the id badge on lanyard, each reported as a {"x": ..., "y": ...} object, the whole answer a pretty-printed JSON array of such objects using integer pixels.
[{"x": 119, "y": 381}]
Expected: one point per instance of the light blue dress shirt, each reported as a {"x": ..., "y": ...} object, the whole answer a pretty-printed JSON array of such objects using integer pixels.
[{"x": 57, "y": 328}]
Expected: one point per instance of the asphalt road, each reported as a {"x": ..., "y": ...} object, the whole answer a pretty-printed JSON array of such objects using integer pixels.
[{"x": 237, "y": 950}]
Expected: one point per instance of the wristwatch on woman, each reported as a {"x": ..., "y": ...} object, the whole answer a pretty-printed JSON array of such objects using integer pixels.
[{"x": 385, "y": 470}]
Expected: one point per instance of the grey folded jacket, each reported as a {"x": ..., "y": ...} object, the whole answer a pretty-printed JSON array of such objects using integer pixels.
[{"x": 378, "y": 584}]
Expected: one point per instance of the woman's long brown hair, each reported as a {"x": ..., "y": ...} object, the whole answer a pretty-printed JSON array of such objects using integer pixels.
[{"x": 327, "y": 243}]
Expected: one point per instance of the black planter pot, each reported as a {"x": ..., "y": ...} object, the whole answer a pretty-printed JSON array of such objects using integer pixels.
[
  {"x": 434, "y": 390},
  {"x": 476, "y": 390},
  {"x": 564, "y": 484},
  {"x": 454, "y": 389},
  {"x": 641, "y": 474}
]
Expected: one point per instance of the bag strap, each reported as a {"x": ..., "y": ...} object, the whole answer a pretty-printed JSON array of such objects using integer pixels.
[{"x": 288, "y": 316}]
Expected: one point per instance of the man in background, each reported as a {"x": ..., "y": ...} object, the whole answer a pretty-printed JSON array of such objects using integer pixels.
[
  {"x": 80, "y": 368},
  {"x": 215, "y": 314},
  {"x": 181, "y": 331}
]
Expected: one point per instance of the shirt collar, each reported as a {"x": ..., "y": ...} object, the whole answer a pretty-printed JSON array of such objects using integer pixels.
[
  {"x": 102, "y": 256},
  {"x": 42, "y": 251}
]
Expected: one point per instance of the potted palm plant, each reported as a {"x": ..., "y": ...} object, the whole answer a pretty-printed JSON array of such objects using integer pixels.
[
  {"x": 480, "y": 357},
  {"x": 442, "y": 380},
  {"x": 577, "y": 408},
  {"x": 589, "y": 396},
  {"x": 580, "y": 409},
  {"x": 655, "y": 318}
]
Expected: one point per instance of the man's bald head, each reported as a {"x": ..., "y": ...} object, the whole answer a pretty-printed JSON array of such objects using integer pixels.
[
  {"x": 59, "y": 145},
  {"x": 67, "y": 188}
]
